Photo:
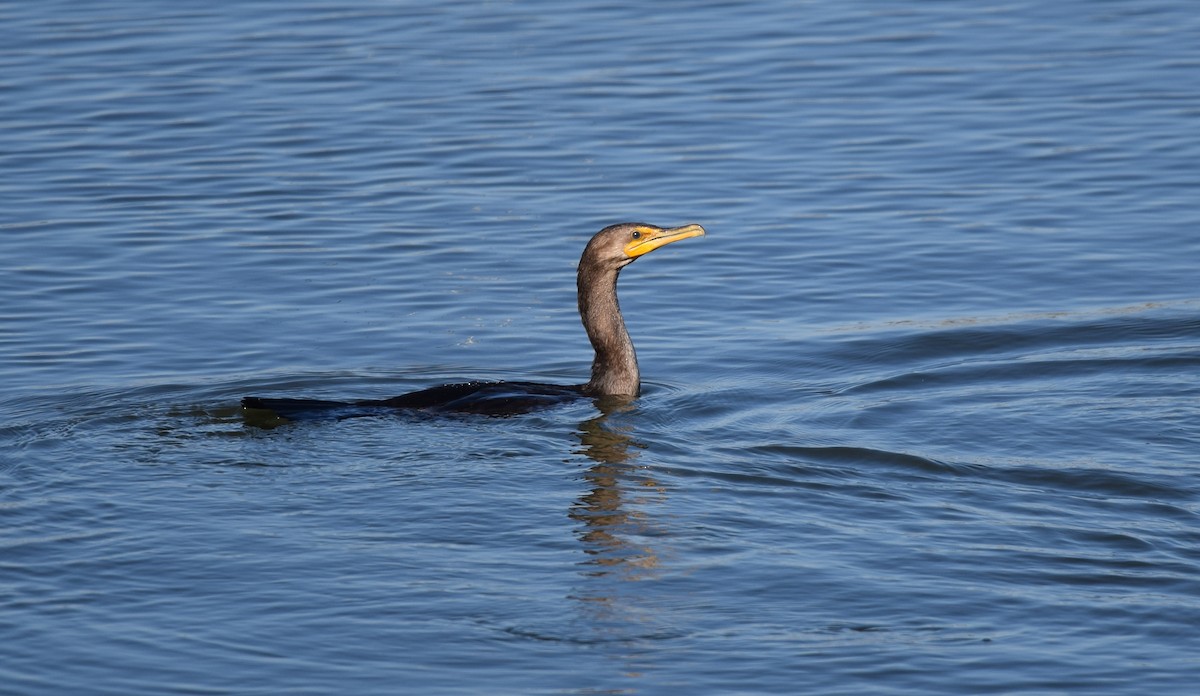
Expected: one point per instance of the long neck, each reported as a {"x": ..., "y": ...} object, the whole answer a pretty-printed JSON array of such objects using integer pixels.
[{"x": 615, "y": 368}]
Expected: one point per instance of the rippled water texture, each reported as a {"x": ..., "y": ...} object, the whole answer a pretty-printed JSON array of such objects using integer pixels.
[{"x": 919, "y": 415}]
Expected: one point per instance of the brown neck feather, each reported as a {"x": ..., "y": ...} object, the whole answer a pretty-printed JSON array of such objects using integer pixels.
[{"x": 615, "y": 368}]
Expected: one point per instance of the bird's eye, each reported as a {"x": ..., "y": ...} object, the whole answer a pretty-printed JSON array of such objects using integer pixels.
[{"x": 637, "y": 235}]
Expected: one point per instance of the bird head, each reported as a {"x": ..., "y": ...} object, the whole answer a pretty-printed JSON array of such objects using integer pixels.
[{"x": 617, "y": 246}]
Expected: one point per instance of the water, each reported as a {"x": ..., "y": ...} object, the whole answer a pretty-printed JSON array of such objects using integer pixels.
[{"x": 920, "y": 414}]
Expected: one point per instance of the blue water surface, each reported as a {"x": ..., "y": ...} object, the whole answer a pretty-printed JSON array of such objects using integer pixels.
[{"x": 920, "y": 414}]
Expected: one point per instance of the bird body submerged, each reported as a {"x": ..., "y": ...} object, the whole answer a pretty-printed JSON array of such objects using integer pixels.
[
  {"x": 614, "y": 369},
  {"x": 488, "y": 398}
]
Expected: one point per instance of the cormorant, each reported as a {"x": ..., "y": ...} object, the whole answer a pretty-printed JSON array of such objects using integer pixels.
[{"x": 614, "y": 369}]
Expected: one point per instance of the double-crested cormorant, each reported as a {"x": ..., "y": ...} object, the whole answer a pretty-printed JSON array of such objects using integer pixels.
[{"x": 614, "y": 369}]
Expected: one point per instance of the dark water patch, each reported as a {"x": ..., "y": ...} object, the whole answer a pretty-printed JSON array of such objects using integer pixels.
[
  {"x": 634, "y": 639},
  {"x": 1099, "y": 481},
  {"x": 858, "y": 456},
  {"x": 1034, "y": 335}
]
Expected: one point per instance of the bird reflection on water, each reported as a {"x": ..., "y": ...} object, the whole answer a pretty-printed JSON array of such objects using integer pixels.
[
  {"x": 616, "y": 528},
  {"x": 610, "y": 510}
]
